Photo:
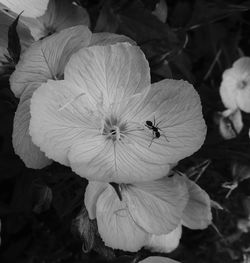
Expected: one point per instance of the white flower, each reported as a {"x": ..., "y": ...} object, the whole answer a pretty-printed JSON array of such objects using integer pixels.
[
  {"x": 44, "y": 18},
  {"x": 147, "y": 214},
  {"x": 235, "y": 85},
  {"x": 46, "y": 59},
  {"x": 101, "y": 119}
]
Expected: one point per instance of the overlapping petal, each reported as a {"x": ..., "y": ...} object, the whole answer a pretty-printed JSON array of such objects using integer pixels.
[
  {"x": 46, "y": 59},
  {"x": 157, "y": 206},
  {"x": 145, "y": 214},
  {"x": 174, "y": 107},
  {"x": 56, "y": 122},
  {"x": 165, "y": 243},
  {"x": 109, "y": 74},
  {"x": 22, "y": 143},
  {"x": 115, "y": 224},
  {"x": 197, "y": 214}
]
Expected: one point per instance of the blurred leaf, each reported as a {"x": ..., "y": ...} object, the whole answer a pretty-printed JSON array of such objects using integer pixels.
[{"x": 14, "y": 46}]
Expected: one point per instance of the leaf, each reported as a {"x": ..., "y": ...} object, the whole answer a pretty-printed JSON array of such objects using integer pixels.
[{"x": 14, "y": 46}]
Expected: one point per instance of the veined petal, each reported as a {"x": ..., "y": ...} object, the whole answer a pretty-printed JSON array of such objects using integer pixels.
[
  {"x": 173, "y": 106},
  {"x": 59, "y": 119},
  {"x": 30, "y": 8},
  {"x": 92, "y": 193},
  {"x": 165, "y": 243},
  {"x": 197, "y": 214},
  {"x": 157, "y": 206},
  {"x": 103, "y": 160},
  {"x": 115, "y": 224},
  {"x": 158, "y": 260},
  {"x": 109, "y": 74},
  {"x": 47, "y": 58},
  {"x": 22, "y": 143}
]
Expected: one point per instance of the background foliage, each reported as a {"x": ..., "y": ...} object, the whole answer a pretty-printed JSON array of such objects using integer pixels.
[{"x": 39, "y": 208}]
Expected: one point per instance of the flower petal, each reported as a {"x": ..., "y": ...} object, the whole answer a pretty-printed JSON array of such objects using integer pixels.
[
  {"x": 22, "y": 143},
  {"x": 173, "y": 106},
  {"x": 108, "y": 74},
  {"x": 197, "y": 214},
  {"x": 30, "y": 8},
  {"x": 165, "y": 243},
  {"x": 92, "y": 193},
  {"x": 47, "y": 58},
  {"x": 157, "y": 206},
  {"x": 115, "y": 224},
  {"x": 59, "y": 119},
  {"x": 158, "y": 260}
]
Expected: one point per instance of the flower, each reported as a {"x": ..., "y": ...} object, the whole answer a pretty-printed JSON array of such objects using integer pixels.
[
  {"x": 148, "y": 214},
  {"x": 43, "y": 60},
  {"x": 108, "y": 123},
  {"x": 44, "y": 18},
  {"x": 235, "y": 85}
]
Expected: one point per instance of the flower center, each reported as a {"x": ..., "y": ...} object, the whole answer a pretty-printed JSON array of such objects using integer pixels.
[{"x": 113, "y": 129}]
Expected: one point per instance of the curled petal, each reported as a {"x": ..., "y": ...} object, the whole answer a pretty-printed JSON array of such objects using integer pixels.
[
  {"x": 92, "y": 193},
  {"x": 157, "y": 206},
  {"x": 173, "y": 106},
  {"x": 165, "y": 243},
  {"x": 57, "y": 119},
  {"x": 109, "y": 74},
  {"x": 197, "y": 214},
  {"x": 22, "y": 143},
  {"x": 115, "y": 224},
  {"x": 47, "y": 58}
]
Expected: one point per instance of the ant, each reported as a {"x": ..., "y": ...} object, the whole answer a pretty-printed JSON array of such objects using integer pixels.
[{"x": 155, "y": 129}]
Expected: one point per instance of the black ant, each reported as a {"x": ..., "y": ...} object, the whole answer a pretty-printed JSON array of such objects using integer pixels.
[{"x": 155, "y": 129}]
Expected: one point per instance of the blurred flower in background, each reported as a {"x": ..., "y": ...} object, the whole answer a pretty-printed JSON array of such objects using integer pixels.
[
  {"x": 148, "y": 214},
  {"x": 46, "y": 59},
  {"x": 235, "y": 85}
]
